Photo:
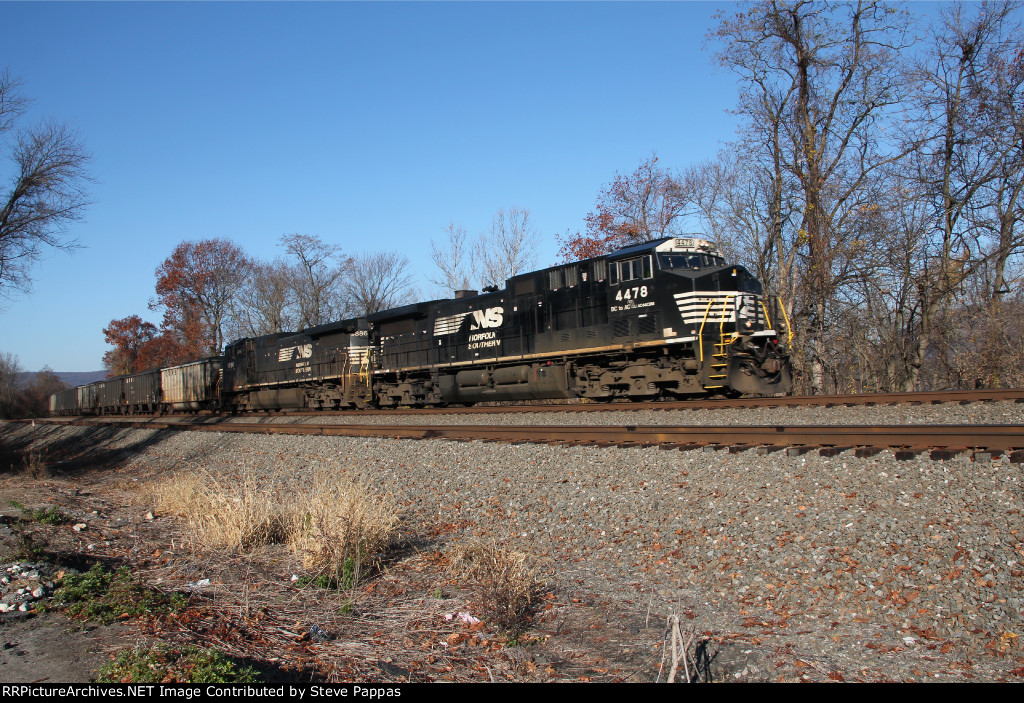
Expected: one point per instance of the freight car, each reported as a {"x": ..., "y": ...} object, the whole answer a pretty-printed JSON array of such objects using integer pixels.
[
  {"x": 667, "y": 318},
  {"x": 64, "y": 402},
  {"x": 192, "y": 386}
]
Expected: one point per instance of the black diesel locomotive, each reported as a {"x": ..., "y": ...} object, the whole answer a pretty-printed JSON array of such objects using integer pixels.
[{"x": 667, "y": 318}]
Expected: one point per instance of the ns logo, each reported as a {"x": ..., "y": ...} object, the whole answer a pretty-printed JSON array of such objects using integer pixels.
[
  {"x": 303, "y": 351},
  {"x": 482, "y": 319}
]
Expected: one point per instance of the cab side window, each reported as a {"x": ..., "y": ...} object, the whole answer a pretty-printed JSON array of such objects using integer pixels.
[{"x": 632, "y": 269}]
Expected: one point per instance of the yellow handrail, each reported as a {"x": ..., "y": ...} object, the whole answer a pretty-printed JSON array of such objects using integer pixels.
[
  {"x": 700, "y": 335},
  {"x": 789, "y": 327},
  {"x": 721, "y": 324},
  {"x": 364, "y": 367},
  {"x": 767, "y": 317}
]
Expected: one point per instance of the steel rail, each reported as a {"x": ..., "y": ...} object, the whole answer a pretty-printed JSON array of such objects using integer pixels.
[{"x": 920, "y": 437}]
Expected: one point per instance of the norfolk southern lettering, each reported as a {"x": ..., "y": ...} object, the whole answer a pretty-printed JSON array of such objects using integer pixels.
[{"x": 484, "y": 340}]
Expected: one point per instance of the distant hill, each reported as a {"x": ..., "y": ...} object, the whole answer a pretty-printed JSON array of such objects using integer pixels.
[{"x": 70, "y": 378}]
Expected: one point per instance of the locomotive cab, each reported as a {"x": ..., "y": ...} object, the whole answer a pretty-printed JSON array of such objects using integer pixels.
[
  {"x": 723, "y": 307},
  {"x": 679, "y": 291}
]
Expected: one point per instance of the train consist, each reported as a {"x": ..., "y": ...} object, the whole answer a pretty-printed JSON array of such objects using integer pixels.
[{"x": 667, "y": 318}]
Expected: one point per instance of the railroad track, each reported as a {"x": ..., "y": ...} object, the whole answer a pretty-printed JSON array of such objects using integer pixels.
[
  {"x": 849, "y": 399},
  {"x": 701, "y": 403},
  {"x": 983, "y": 442}
]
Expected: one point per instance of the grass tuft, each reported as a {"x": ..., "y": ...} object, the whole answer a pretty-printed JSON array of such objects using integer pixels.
[
  {"x": 34, "y": 463},
  {"x": 338, "y": 524},
  {"x": 238, "y": 517},
  {"x": 342, "y": 527},
  {"x": 506, "y": 582},
  {"x": 48, "y": 516}
]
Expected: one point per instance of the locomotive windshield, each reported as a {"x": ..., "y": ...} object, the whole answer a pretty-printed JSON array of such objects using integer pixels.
[{"x": 688, "y": 261}]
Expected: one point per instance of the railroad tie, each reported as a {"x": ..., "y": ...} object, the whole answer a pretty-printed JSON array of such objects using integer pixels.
[
  {"x": 738, "y": 448},
  {"x": 945, "y": 453},
  {"x": 834, "y": 451},
  {"x": 905, "y": 454}
]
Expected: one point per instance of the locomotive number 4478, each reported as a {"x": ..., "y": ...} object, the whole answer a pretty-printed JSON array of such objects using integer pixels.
[{"x": 632, "y": 293}]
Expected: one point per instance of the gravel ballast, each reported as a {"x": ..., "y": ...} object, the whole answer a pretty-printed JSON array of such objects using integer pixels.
[{"x": 861, "y": 568}]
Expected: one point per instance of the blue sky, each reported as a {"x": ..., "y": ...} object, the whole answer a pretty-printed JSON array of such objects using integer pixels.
[{"x": 372, "y": 125}]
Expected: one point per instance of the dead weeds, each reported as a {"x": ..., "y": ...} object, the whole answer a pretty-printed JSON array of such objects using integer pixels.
[
  {"x": 338, "y": 524},
  {"x": 506, "y": 583}
]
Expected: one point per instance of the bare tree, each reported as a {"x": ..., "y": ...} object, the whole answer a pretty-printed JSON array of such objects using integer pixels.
[
  {"x": 303, "y": 289},
  {"x": 45, "y": 195},
  {"x": 456, "y": 261},
  {"x": 33, "y": 400},
  {"x": 996, "y": 89},
  {"x": 265, "y": 304},
  {"x": 509, "y": 248},
  {"x": 966, "y": 170},
  {"x": 9, "y": 370},
  {"x": 647, "y": 204},
  {"x": 379, "y": 281},
  {"x": 743, "y": 208},
  {"x": 317, "y": 271},
  {"x": 818, "y": 79}
]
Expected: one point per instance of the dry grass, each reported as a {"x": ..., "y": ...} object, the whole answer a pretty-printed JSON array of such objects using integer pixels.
[
  {"x": 506, "y": 582},
  {"x": 34, "y": 463},
  {"x": 223, "y": 516},
  {"x": 342, "y": 526},
  {"x": 337, "y": 524}
]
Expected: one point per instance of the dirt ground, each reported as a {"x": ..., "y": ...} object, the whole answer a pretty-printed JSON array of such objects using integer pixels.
[{"x": 402, "y": 625}]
